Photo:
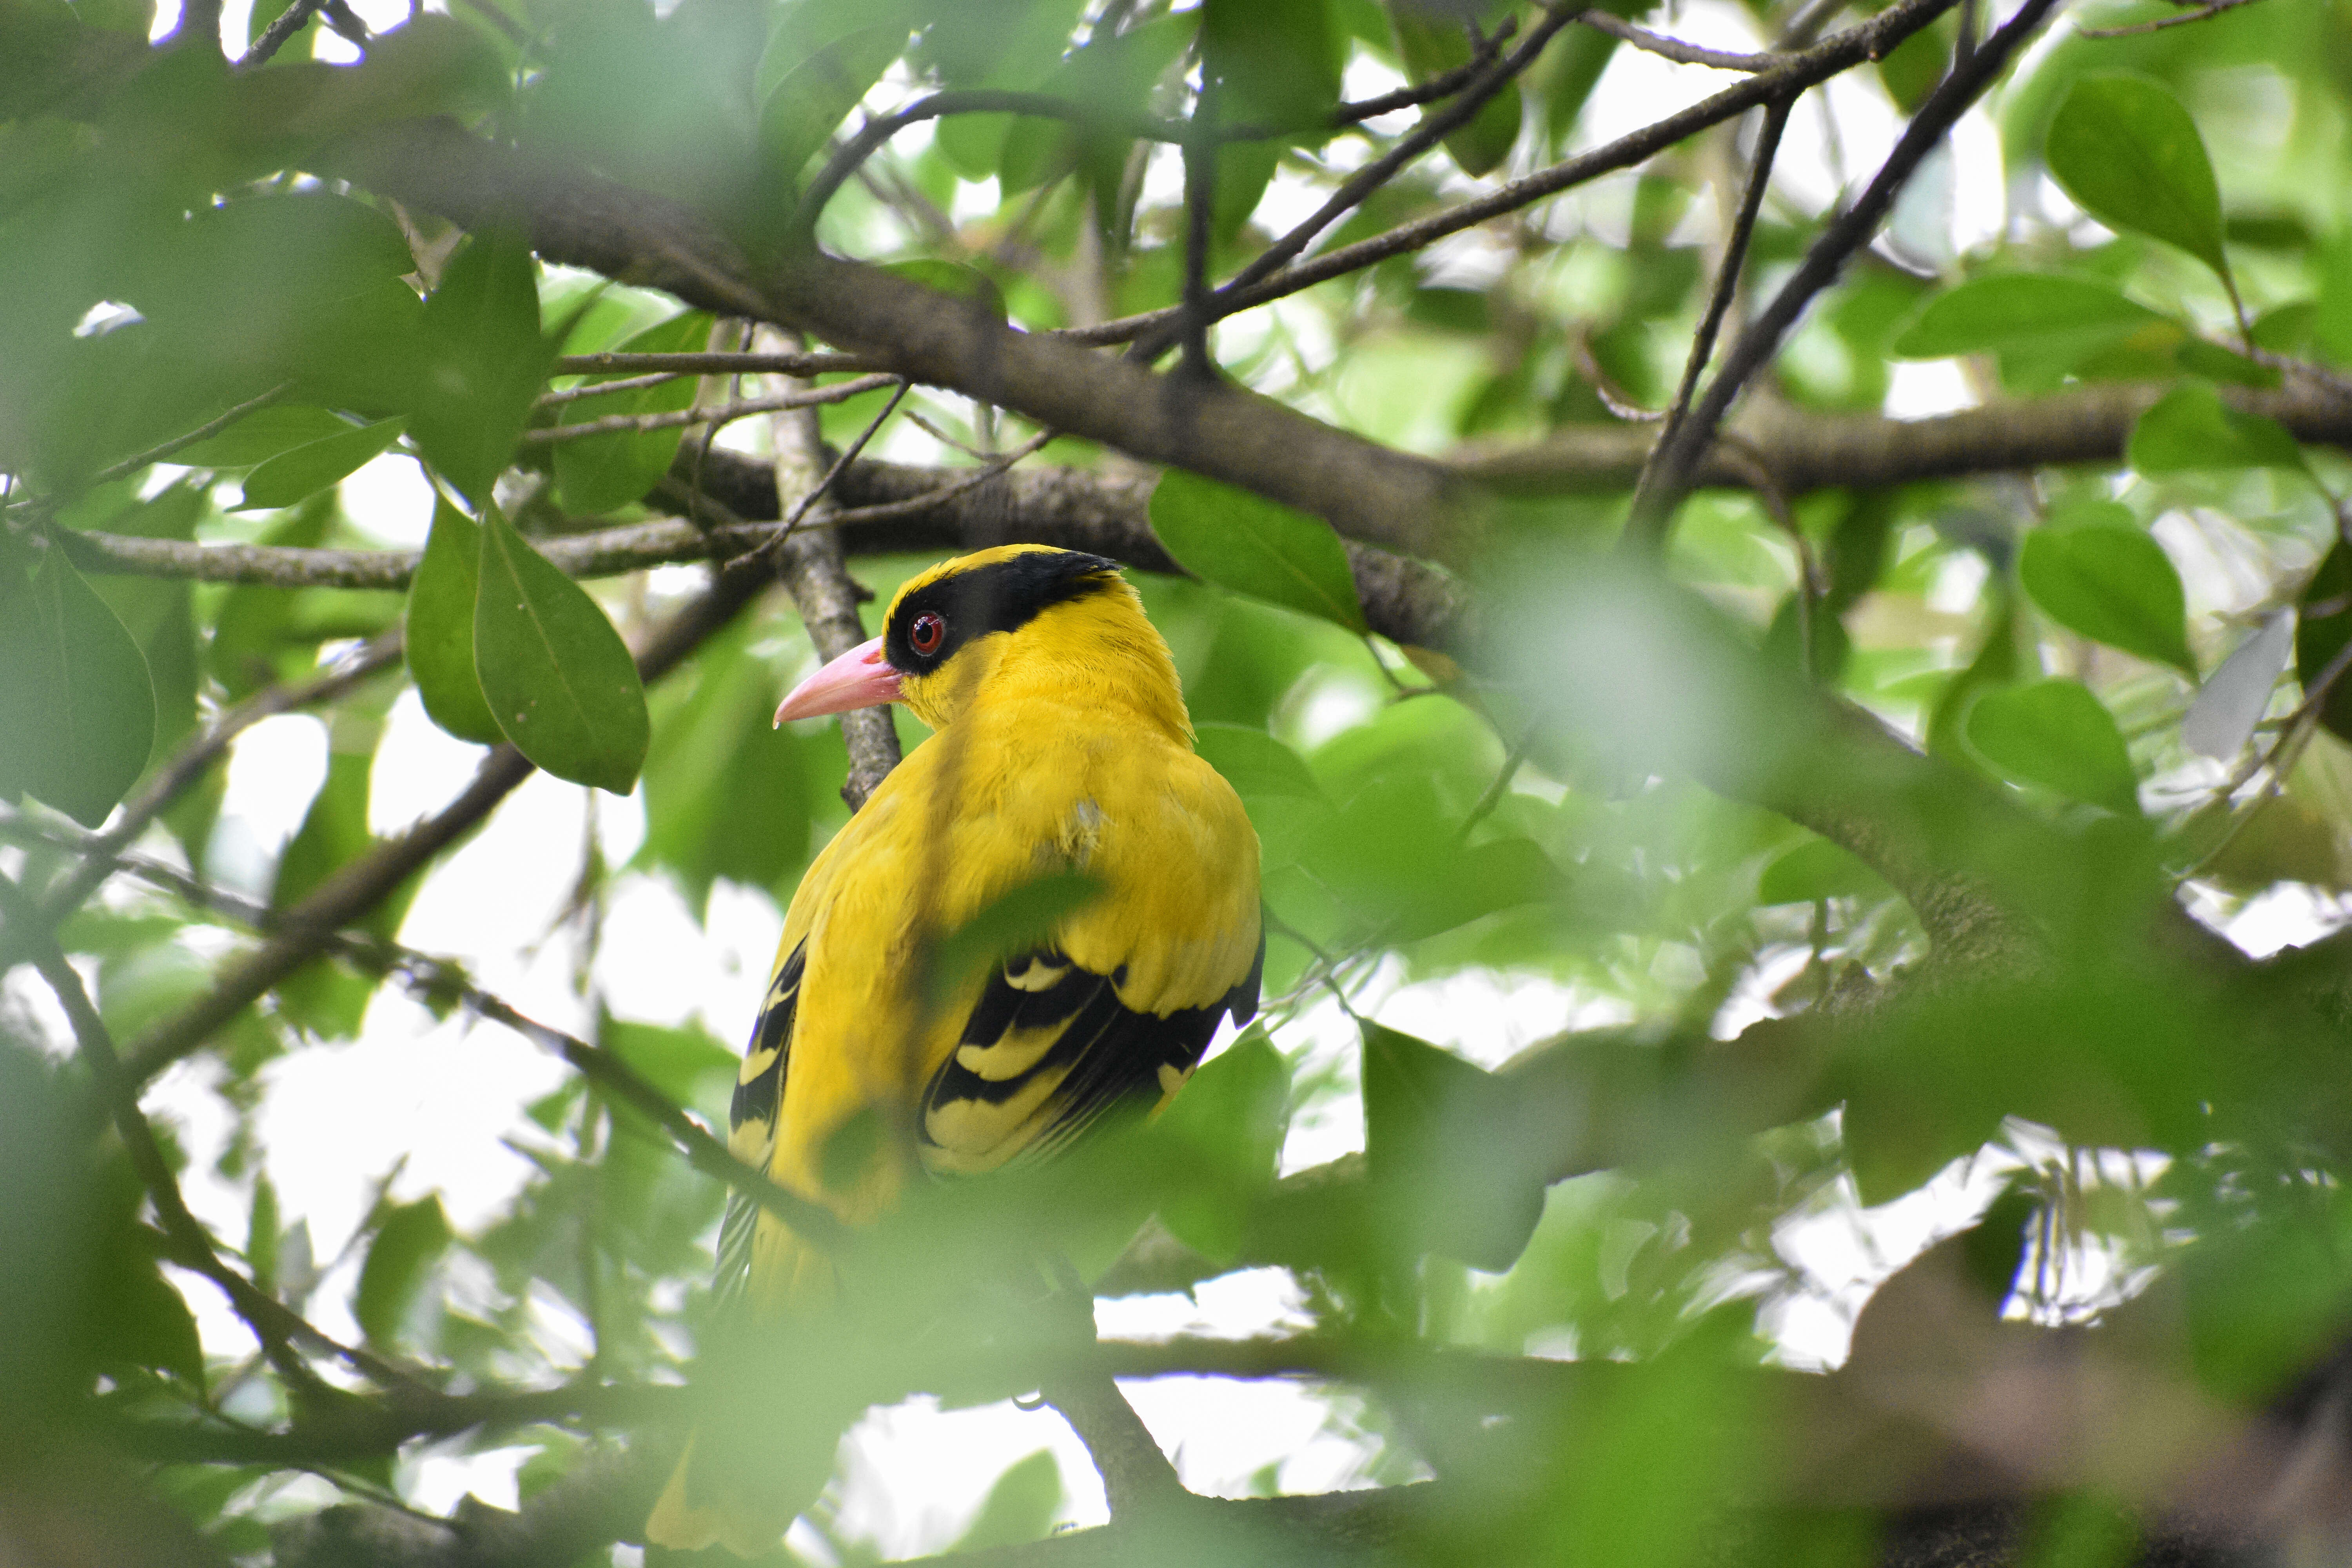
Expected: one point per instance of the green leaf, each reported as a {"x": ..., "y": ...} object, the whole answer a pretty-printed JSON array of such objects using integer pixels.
[
  {"x": 2322, "y": 626},
  {"x": 1250, "y": 545},
  {"x": 1818, "y": 868},
  {"x": 261, "y": 436},
  {"x": 439, "y": 646},
  {"x": 2215, "y": 362},
  {"x": 2054, "y": 734},
  {"x": 686, "y": 1064},
  {"x": 811, "y": 100},
  {"x": 2114, "y": 584},
  {"x": 1223, "y": 1133},
  {"x": 1020, "y": 1508},
  {"x": 2019, "y": 310},
  {"x": 726, "y": 795},
  {"x": 597, "y": 473},
  {"x": 261, "y": 1235},
  {"x": 1447, "y": 1143},
  {"x": 410, "y": 1239},
  {"x": 2233, "y": 700},
  {"x": 2130, "y": 156},
  {"x": 2191, "y": 429},
  {"x": 297, "y": 475},
  {"x": 558, "y": 678},
  {"x": 489, "y": 362},
  {"x": 1255, "y": 762},
  {"x": 76, "y": 705},
  {"x": 1275, "y": 62},
  {"x": 1015, "y": 920},
  {"x": 145, "y": 1321}
]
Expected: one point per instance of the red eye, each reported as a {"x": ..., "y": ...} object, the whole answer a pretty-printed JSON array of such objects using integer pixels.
[{"x": 926, "y": 635}]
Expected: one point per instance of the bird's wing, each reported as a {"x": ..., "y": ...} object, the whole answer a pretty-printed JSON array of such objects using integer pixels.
[
  {"x": 1118, "y": 1008},
  {"x": 1049, "y": 1047}
]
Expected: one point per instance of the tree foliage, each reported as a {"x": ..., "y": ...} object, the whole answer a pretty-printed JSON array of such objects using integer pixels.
[{"x": 1864, "y": 799}]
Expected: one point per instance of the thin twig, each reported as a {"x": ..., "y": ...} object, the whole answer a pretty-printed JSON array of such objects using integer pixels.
[
  {"x": 289, "y": 21},
  {"x": 1436, "y": 87},
  {"x": 1727, "y": 287},
  {"x": 1683, "y": 53},
  {"x": 437, "y": 979},
  {"x": 1871, "y": 40},
  {"x": 849, "y": 454},
  {"x": 274, "y": 1325},
  {"x": 851, "y": 156},
  {"x": 715, "y": 364},
  {"x": 364, "y": 883},
  {"x": 1359, "y": 186},
  {"x": 551, "y": 398},
  {"x": 191, "y": 763},
  {"x": 1678, "y": 457},
  {"x": 619, "y": 423},
  {"x": 2161, "y": 23}
]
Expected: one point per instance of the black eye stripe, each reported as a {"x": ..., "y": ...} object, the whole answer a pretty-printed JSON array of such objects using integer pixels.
[{"x": 1000, "y": 596}]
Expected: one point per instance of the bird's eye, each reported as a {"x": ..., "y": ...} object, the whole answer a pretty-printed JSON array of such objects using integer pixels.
[{"x": 926, "y": 635}]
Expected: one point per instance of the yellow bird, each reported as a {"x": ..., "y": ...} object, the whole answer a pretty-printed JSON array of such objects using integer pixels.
[{"x": 1063, "y": 746}]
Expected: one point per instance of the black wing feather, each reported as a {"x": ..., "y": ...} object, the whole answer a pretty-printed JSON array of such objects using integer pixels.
[{"x": 1103, "y": 1053}]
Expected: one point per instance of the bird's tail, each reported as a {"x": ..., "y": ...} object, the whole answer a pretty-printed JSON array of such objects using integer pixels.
[
  {"x": 745, "y": 1496},
  {"x": 697, "y": 1510}
]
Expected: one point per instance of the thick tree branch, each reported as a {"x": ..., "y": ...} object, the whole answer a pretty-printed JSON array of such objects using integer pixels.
[
  {"x": 1215, "y": 431},
  {"x": 1796, "y": 450}
]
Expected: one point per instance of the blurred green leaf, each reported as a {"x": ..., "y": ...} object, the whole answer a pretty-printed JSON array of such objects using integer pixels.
[
  {"x": 1817, "y": 868},
  {"x": 686, "y": 1064},
  {"x": 1010, "y": 924},
  {"x": 408, "y": 1244},
  {"x": 439, "y": 642},
  {"x": 816, "y": 95},
  {"x": 2322, "y": 627},
  {"x": 2054, "y": 734},
  {"x": 2190, "y": 429},
  {"x": 2130, "y": 156},
  {"x": 955, "y": 280},
  {"x": 1446, "y": 1143},
  {"x": 261, "y": 1231},
  {"x": 1020, "y": 1507},
  {"x": 1223, "y": 1133},
  {"x": 2020, "y": 310},
  {"x": 2114, "y": 584},
  {"x": 557, "y": 677},
  {"x": 1252, "y": 545},
  {"x": 725, "y": 793},
  {"x": 303, "y": 471},
  {"x": 261, "y": 436},
  {"x": 1253, "y": 762},
  {"x": 77, "y": 707},
  {"x": 1275, "y": 62}
]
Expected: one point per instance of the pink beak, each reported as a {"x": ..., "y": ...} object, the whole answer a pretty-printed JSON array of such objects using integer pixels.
[{"x": 858, "y": 679}]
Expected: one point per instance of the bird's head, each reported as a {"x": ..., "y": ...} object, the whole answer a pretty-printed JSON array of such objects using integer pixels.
[{"x": 1019, "y": 613}]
